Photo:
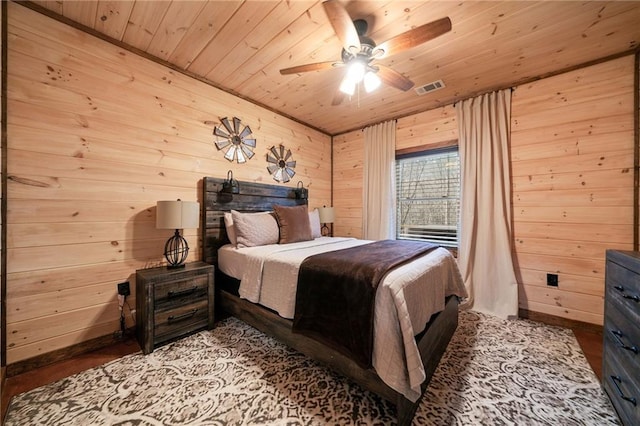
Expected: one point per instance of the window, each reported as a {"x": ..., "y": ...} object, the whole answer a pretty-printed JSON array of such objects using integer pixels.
[{"x": 428, "y": 196}]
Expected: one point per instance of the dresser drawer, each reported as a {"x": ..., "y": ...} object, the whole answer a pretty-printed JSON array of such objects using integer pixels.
[
  {"x": 623, "y": 286},
  {"x": 620, "y": 330},
  {"x": 621, "y": 342},
  {"x": 622, "y": 388},
  {"x": 180, "y": 291}
]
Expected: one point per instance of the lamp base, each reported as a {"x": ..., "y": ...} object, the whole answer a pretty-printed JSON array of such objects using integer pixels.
[
  {"x": 176, "y": 251},
  {"x": 182, "y": 265},
  {"x": 325, "y": 231}
]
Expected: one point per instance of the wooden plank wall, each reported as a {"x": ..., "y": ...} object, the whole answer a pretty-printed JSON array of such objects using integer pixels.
[
  {"x": 572, "y": 165},
  {"x": 348, "y": 155},
  {"x": 96, "y": 136}
]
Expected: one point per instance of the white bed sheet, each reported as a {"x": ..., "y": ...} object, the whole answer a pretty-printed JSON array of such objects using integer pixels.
[{"x": 405, "y": 300}]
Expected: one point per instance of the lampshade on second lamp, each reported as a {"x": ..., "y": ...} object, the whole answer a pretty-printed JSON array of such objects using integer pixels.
[
  {"x": 177, "y": 215},
  {"x": 327, "y": 215}
]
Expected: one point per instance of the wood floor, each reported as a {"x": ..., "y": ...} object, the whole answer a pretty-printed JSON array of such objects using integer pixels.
[
  {"x": 59, "y": 370},
  {"x": 590, "y": 342}
]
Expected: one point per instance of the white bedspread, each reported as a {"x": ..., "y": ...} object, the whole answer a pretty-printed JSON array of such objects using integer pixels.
[{"x": 405, "y": 300}]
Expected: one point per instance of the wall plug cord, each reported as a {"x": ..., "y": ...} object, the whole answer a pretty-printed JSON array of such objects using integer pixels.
[{"x": 121, "y": 300}]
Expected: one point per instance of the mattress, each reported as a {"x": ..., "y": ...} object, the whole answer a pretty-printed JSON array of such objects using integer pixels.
[{"x": 405, "y": 300}]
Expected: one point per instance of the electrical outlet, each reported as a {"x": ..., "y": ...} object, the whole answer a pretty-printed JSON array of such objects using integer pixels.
[
  {"x": 123, "y": 289},
  {"x": 552, "y": 280}
]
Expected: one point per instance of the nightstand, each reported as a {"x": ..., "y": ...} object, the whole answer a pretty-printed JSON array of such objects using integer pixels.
[{"x": 173, "y": 303}]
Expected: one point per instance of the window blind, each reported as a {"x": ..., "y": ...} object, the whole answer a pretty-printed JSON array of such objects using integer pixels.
[{"x": 428, "y": 197}]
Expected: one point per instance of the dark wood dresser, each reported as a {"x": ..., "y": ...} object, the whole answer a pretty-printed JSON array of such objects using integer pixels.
[
  {"x": 621, "y": 350},
  {"x": 172, "y": 303}
]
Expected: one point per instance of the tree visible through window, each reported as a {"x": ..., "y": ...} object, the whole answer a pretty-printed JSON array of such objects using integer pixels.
[{"x": 428, "y": 197}]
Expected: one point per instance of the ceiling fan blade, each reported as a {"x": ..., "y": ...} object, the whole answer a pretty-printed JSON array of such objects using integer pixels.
[
  {"x": 394, "y": 78},
  {"x": 342, "y": 25},
  {"x": 338, "y": 98},
  {"x": 412, "y": 38},
  {"x": 309, "y": 67}
]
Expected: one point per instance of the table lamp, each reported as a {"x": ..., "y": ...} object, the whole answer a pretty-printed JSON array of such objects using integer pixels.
[
  {"x": 327, "y": 215},
  {"x": 177, "y": 215}
]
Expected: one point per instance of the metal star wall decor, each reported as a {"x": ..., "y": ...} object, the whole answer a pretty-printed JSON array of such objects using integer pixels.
[
  {"x": 281, "y": 166},
  {"x": 235, "y": 142}
]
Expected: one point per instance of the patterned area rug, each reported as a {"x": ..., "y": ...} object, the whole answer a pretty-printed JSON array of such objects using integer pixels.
[{"x": 494, "y": 372}]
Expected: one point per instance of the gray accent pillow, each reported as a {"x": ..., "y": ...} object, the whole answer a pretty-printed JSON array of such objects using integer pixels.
[{"x": 254, "y": 229}]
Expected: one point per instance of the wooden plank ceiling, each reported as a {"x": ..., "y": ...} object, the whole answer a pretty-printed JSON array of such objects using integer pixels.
[{"x": 240, "y": 46}]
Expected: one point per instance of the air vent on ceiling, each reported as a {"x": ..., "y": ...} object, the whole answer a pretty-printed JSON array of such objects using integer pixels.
[{"x": 429, "y": 87}]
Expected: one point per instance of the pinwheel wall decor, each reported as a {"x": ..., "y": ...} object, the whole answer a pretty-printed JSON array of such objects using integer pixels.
[
  {"x": 234, "y": 141},
  {"x": 281, "y": 166}
]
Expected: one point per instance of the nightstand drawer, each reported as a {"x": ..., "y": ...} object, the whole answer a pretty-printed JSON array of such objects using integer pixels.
[
  {"x": 180, "y": 321},
  {"x": 180, "y": 291}
]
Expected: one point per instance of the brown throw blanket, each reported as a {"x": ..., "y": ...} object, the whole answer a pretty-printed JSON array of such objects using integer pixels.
[{"x": 336, "y": 292}]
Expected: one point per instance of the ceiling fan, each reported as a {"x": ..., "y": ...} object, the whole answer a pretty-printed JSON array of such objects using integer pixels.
[{"x": 360, "y": 53}]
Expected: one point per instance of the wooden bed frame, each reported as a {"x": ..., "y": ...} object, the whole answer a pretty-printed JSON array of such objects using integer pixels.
[{"x": 432, "y": 342}]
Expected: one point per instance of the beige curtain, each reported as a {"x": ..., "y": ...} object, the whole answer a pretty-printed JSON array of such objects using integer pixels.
[
  {"x": 379, "y": 181},
  {"x": 485, "y": 206}
]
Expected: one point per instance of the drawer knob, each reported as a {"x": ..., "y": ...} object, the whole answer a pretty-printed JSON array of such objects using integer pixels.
[
  {"x": 618, "y": 335},
  {"x": 174, "y": 294},
  {"x": 176, "y": 318},
  {"x": 633, "y": 297},
  {"x": 616, "y": 380}
]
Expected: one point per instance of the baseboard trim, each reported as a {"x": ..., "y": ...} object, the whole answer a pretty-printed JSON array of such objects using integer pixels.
[
  {"x": 559, "y": 321},
  {"x": 64, "y": 353}
]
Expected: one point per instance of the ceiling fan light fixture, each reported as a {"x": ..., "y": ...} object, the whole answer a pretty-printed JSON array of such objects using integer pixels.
[
  {"x": 371, "y": 81},
  {"x": 348, "y": 86},
  {"x": 356, "y": 71},
  {"x": 360, "y": 53}
]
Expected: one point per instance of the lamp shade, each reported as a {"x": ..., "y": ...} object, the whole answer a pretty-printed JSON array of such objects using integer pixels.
[
  {"x": 177, "y": 214},
  {"x": 327, "y": 215}
]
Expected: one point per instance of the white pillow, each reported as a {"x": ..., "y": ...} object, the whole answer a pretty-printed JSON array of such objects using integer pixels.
[
  {"x": 314, "y": 221},
  {"x": 255, "y": 229},
  {"x": 231, "y": 229}
]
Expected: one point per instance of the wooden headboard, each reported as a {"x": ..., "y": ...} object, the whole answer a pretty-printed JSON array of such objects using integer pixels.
[{"x": 252, "y": 197}]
